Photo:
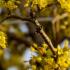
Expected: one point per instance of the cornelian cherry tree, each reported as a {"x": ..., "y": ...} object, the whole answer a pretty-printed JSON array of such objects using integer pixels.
[{"x": 50, "y": 18}]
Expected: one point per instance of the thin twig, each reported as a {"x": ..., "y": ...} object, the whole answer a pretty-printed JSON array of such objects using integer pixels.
[
  {"x": 16, "y": 17},
  {"x": 45, "y": 36},
  {"x": 59, "y": 17}
]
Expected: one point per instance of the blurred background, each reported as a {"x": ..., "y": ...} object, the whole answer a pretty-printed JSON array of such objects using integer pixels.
[{"x": 22, "y": 34}]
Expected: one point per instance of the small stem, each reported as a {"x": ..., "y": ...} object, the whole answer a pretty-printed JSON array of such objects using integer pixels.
[
  {"x": 47, "y": 39},
  {"x": 45, "y": 36}
]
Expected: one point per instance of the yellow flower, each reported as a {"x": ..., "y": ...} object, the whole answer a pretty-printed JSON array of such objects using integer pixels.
[
  {"x": 39, "y": 59},
  {"x": 2, "y": 39},
  {"x": 66, "y": 43},
  {"x": 35, "y": 45},
  {"x": 32, "y": 49},
  {"x": 33, "y": 67},
  {"x": 44, "y": 45},
  {"x": 65, "y": 4},
  {"x": 40, "y": 3},
  {"x": 10, "y": 5},
  {"x": 59, "y": 50}
]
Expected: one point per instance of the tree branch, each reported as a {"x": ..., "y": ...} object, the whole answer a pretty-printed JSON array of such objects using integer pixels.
[
  {"x": 41, "y": 31},
  {"x": 17, "y": 17},
  {"x": 45, "y": 36}
]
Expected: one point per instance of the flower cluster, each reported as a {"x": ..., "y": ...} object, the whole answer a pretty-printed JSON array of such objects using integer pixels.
[
  {"x": 65, "y": 4},
  {"x": 10, "y": 4},
  {"x": 45, "y": 60},
  {"x": 40, "y": 3},
  {"x": 3, "y": 42}
]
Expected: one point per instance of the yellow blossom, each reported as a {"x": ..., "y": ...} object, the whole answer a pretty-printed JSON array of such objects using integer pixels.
[
  {"x": 59, "y": 50},
  {"x": 65, "y": 4},
  {"x": 2, "y": 39},
  {"x": 11, "y": 5},
  {"x": 40, "y": 3}
]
